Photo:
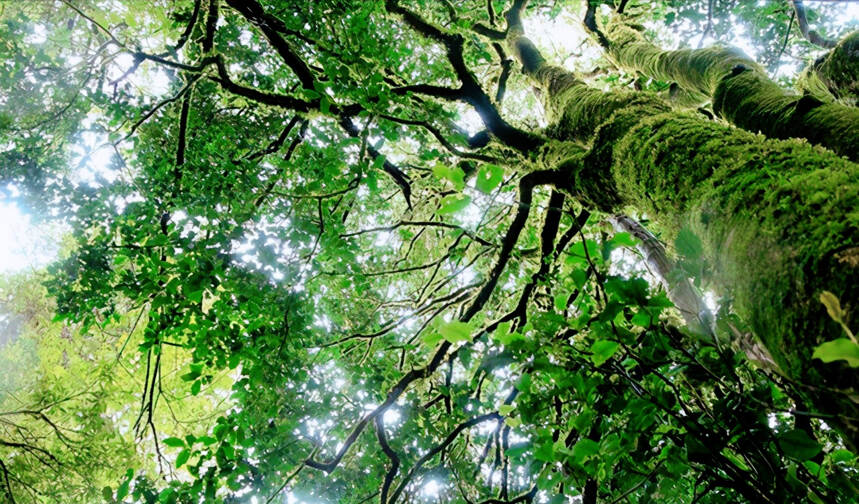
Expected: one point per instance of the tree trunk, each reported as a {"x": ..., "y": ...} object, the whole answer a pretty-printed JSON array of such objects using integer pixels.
[{"x": 778, "y": 219}]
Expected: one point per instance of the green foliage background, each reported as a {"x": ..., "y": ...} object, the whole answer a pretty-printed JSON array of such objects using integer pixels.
[{"x": 300, "y": 277}]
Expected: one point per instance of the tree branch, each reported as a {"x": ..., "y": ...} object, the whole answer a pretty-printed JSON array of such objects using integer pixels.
[
  {"x": 809, "y": 34},
  {"x": 472, "y": 92},
  {"x": 270, "y": 26}
]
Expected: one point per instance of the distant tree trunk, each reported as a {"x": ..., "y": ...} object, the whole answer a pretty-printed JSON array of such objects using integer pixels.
[
  {"x": 778, "y": 219},
  {"x": 677, "y": 286}
]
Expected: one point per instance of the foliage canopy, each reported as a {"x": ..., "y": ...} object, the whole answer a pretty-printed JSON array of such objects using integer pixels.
[{"x": 356, "y": 251}]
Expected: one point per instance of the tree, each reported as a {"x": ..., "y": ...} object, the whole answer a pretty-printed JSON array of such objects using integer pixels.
[
  {"x": 68, "y": 429},
  {"x": 303, "y": 209}
]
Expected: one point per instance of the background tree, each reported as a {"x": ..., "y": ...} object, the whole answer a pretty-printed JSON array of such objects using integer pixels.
[{"x": 412, "y": 306}]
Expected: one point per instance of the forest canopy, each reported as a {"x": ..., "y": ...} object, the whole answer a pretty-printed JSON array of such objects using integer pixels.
[{"x": 465, "y": 251}]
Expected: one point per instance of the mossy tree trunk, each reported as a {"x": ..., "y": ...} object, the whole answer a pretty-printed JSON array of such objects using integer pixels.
[
  {"x": 742, "y": 92},
  {"x": 835, "y": 75},
  {"x": 777, "y": 218}
]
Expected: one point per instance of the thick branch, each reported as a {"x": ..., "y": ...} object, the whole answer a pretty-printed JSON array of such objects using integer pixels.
[
  {"x": 740, "y": 89},
  {"x": 271, "y": 26},
  {"x": 211, "y": 26}
]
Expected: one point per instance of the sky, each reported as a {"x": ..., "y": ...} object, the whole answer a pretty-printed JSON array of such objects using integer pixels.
[{"x": 24, "y": 244}]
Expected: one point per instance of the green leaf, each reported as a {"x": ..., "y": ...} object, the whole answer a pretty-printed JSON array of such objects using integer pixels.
[
  {"x": 517, "y": 450},
  {"x": 509, "y": 338},
  {"x": 642, "y": 318},
  {"x": 107, "y": 493},
  {"x": 561, "y": 301},
  {"x": 579, "y": 255},
  {"x": 193, "y": 375},
  {"x": 183, "y": 457},
  {"x": 833, "y": 306},
  {"x": 454, "y": 174},
  {"x": 579, "y": 277},
  {"x": 840, "y": 349},
  {"x": 841, "y": 456},
  {"x": 431, "y": 338},
  {"x": 797, "y": 445},
  {"x": 122, "y": 489},
  {"x": 602, "y": 351},
  {"x": 545, "y": 451},
  {"x": 488, "y": 178},
  {"x": 196, "y": 296},
  {"x": 506, "y": 409},
  {"x": 173, "y": 441},
  {"x": 195, "y": 387},
  {"x": 624, "y": 240},
  {"x": 736, "y": 460},
  {"x": 455, "y": 331},
  {"x": 453, "y": 203},
  {"x": 583, "y": 449},
  {"x": 166, "y": 495}
]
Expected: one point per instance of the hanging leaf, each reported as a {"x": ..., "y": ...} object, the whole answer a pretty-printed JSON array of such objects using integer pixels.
[
  {"x": 489, "y": 177},
  {"x": 797, "y": 445},
  {"x": 453, "y": 203},
  {"x": 840, "y": 349},
  {"x": 603, "y": 350},
  {"x": 455, "y": 331},
  {"x": 173, "y": 441}
]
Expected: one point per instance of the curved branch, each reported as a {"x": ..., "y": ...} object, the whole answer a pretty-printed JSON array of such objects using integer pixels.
[
  {"x": 809, "y": 34},
  {"x": 526, "y": 189},
  {"x": 472, "y": 92},
  {"x": 277, "y": 100},
  {"x": 451, "y": 437},
  {"x": 393, "y": 395},
  {"x": 392, "y": 456},
  {"x": 189, "y": 28}
]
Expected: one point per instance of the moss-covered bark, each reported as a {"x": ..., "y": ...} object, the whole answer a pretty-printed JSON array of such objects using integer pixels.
[
  {"x": 778, "y": 218},
  {"x": 835, "y": 76},
  {"x": 740, "y": 90}
]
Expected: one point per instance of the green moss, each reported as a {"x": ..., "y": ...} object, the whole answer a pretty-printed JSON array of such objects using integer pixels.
[
  {"x": 596, "y": 119},
  {"x": 695, "y": 70},
  {"x": 741, "y": 91},
  {"x": 778, "y": 218},
  {"x": 753, "y": 102},
  {"x": 835, "y": 76},
  {"x": 775, "y": 242}
]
